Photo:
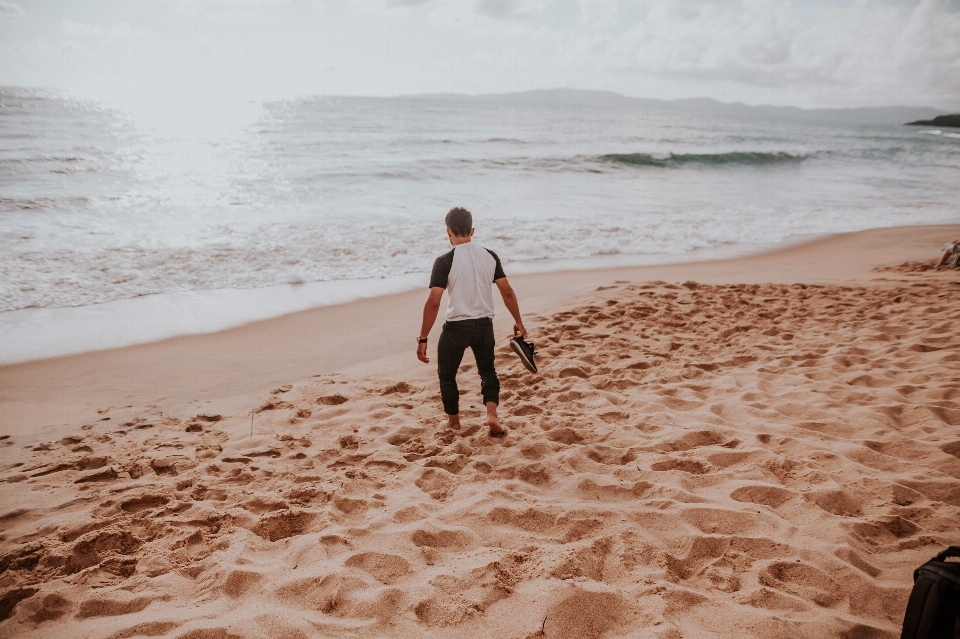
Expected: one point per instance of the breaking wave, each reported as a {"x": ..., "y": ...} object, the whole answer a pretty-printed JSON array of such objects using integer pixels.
[{"x": 742, "y": 158}]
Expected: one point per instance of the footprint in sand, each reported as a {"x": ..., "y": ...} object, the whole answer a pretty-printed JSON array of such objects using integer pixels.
[
  {"x": 585, "y": 614},
  {"x": 693, "y": 466},
  {"x": 591, "y": 490},
  {"x": 277, "y": 525},
  {"x": 803, "y": 580},
  {"x": 446, "y": 538},
  {"x": 332, "y": 400},
  {"x": 146, "y": 501},
  {"x": 836, "y": 502},
  {"x": 766, "y": 495},
  {"x": 385, "y": 568},
  {"x": 437, "y": 483},
  {"x": 115, "y": 604}
]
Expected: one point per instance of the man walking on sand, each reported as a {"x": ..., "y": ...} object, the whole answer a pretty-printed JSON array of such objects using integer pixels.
[{"x": 468, "y": 271}]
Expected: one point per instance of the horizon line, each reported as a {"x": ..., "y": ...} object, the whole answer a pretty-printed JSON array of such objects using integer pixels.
[{"x": 597, "y": 92}]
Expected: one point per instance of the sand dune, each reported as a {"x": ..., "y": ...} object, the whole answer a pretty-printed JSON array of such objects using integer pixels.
[{"x": 694, "y": 461}]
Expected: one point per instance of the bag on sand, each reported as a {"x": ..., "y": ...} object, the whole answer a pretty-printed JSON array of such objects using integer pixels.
[
  {"x": 933, "y": 611},
  {"x": 950, "y": 257}
]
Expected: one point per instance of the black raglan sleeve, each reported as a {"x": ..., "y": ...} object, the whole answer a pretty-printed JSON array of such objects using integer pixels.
[
  {"x": 441, "y": 270},
  {"x": 498, "y": 271}
]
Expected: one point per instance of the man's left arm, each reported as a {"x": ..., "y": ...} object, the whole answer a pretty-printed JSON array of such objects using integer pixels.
[
  {"x": 510, "y": 301},
  {"x": 430, "y": 311}
]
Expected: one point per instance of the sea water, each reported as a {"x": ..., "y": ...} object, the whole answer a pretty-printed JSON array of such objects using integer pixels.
[{"x": 112, "y": 234}]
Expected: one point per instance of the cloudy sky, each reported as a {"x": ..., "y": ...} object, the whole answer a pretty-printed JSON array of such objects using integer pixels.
[{"x": 151, "y": 54}]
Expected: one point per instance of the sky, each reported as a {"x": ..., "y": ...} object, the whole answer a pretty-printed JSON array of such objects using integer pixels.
[{"x": 220, "y": 59}]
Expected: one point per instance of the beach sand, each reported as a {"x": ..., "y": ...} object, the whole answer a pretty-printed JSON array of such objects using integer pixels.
[{"x": 760, "y": 447}]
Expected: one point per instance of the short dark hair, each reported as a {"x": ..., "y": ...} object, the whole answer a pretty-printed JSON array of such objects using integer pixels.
[{"x": 459, "y": 221}]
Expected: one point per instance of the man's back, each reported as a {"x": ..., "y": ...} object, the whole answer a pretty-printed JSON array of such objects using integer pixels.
[{"x": 467, "y": 272}]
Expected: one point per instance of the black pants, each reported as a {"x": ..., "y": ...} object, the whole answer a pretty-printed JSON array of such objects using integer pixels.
[{"x": 454, "y": 340}]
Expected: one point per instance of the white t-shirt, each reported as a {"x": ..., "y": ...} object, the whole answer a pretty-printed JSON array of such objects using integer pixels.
[{"x": 467, "y": 272}]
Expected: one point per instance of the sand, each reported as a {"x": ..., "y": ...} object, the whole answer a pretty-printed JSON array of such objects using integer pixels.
[{"x": 762, "y": 447}]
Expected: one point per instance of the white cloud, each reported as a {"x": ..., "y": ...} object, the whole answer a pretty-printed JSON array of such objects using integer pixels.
[
  {"x": 803, "y": 52},
  {"x": 406, "y": 3},
  {"x": 817, "y": 53},
  {"x": 10, "y": 8},
  {"x": 498, "y": 9},
  {"x": 118, "y": 32}
]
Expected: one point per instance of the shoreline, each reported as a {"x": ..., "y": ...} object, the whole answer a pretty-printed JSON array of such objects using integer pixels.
[
  {"x": 33, "y": 334},
  {"x": 225, "y": 368}
]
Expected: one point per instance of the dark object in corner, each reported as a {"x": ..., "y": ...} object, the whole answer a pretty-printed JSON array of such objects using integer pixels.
[
  {"x": 940, "y": 120},
  {"x": 950, "y": 257},
  {"x": 933, "y": 611}
]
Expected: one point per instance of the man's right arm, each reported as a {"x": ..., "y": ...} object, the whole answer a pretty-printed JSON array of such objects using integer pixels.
[
  {"x": 430, "y": 311},
  {"x": 510, "y": 301}
]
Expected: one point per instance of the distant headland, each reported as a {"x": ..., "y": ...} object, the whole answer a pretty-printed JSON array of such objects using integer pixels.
[
  {"x": 940, "y": 120},
  {"x": 891, "y": 115}
]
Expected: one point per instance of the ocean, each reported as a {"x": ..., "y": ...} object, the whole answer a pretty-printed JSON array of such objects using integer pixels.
[{"x": 111, "y": 234}]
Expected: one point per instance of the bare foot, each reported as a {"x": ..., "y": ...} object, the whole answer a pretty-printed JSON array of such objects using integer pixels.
[
  {"x": 493, "y": 422},
  {"x": 453, "y": 422}
]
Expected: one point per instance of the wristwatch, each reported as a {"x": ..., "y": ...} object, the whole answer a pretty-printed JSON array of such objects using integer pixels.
[{"x": 421, "y": 340}]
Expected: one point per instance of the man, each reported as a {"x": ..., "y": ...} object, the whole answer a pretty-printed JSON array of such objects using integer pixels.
[{"x": 467, "y": 271}]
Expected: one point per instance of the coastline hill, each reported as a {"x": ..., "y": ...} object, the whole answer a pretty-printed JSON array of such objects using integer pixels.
[
  {"x": 702, "y": 106},
  {"x": 941, "y": 120}
]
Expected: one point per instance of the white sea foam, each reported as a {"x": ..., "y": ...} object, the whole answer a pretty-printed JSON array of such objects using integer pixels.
[
  {"x": 358, "y": 250},
  {"x": 38, "y": 333}
]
